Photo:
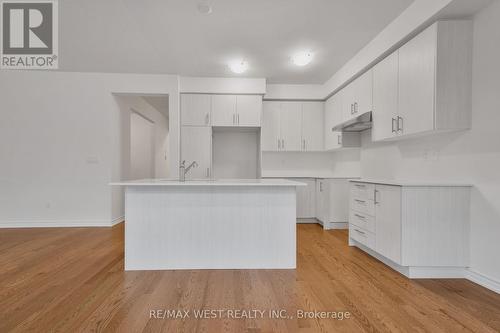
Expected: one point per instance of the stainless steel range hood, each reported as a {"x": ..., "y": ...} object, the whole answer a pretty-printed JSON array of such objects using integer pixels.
[{"x": 358, "y": 124}]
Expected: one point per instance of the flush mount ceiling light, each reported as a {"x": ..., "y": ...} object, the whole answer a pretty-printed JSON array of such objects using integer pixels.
[
  {"x": 238, "y": 66},
  {"x": 204, "y": 8},
  {"x": 302, "y": 58}
]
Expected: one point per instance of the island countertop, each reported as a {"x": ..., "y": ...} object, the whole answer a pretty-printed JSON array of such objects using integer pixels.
[{"x": 209, "y": 182}]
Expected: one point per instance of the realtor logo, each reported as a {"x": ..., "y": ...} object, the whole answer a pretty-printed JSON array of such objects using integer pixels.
[{"x": 29, "y": 34}]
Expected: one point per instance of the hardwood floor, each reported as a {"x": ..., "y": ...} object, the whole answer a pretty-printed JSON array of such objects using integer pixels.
[{"x": 69, "y": 280}]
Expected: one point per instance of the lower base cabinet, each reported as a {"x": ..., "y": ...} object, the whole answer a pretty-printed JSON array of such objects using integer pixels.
[
  {"x": 332, "y": 202},
  {"x": 422, "y": 228}
]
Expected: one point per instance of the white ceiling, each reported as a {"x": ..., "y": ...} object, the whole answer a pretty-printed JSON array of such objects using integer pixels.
[{"x": 172, "y": 37}]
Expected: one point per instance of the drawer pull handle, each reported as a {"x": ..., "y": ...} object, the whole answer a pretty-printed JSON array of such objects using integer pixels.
[
  {"x": 360, "y": 216},
  {"x": 361, "y": 232},
  {"x": 360, "y": 185},
  {"x": 360, "y": 201}
]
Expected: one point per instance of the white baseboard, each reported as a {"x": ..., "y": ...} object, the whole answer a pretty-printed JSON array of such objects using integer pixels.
[
  {"x": 306, "y": 220},
  {"x": 59, "y": 223},
  {"x": 483, "y": 280},
  {"x": 336, "y": 225},
  {"x": 414, "y": 272}
]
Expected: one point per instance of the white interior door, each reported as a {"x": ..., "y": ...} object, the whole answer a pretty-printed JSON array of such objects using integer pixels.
[
  {"x": 224, "y": 110},
  {"x": 291, "y": 126},
  {"x": 313, "y": 118},
  {"x": 270, "y": 131},
  {"x": 196, "y": 145},
  {"x": 142, "y": 148},
  {"x": 195, "y": 109},
  {"x": 249, "y": 110},
  {"x": 417, "y": 66},
  {"x": 385, "y": 97}
]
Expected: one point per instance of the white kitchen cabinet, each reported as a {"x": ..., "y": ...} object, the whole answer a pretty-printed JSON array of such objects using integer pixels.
[
  {"x": 435, "y": 79},
  {"x": 306, "y": 202},
  {"x": 270, "y": 131},
  {"x": 333, "y": 116},
  {"x": 196, "y": 109},
  {"x": 420, "y": 230},
  {"x": 358, "y": 96},
  {"x": 248, "y": 110},
  {"x": 196, "y": 145},
  {"x": 388, "y": 221},
  {"x": 312, "y": 126},
  {"x": 236, "y": 110},
  {"x": 224, "y": 110},
  {"x": 332, "y": 202},
  {"x": 385, "y": 98},
  {"x": 291, "y": 126}
]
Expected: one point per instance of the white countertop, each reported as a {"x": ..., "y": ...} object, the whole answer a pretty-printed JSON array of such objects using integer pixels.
[
  {"x": 410, "y": 183},
  {"x": 205, "y": 182}
]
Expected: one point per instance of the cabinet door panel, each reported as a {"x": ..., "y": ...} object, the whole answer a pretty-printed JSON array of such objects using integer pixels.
[
  {"x": 348, "y": 102},
  {"x": 249, "y": 110},
  {"x": 333, "y": 117},
  {"x": 196, "y": 145},
  {"x": 388, "y": 221},
  {"x": 312, "y": 126},
  {"x": 417, "y": 60},
  {"x": 291, "y": 127},
  {"x": 385, "y": 98},
  {"x": 195, "y": 109},
  {"x": 363, "y": 93},
  {"x": 306, "y": 204},
  {"x": 224, "y": 110},
  {"x": 270, "y": 131}
]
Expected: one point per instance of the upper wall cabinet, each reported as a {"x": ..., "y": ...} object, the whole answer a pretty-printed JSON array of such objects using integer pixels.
[
  {"x": 357, "y": 97},
  {"x": 236, "y": 110},
  {"x": 385, "y": 97},
  {"x": 333, "y": 116},
  {"x": 292, "y": 126},
  {"x": 312, "y": 126},
  {"x": 434, "y": 83},
  {"x": 196, "y": 109}
]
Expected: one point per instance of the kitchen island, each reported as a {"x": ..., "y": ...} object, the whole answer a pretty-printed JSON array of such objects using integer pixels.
[{"x": 210, "y": 224}]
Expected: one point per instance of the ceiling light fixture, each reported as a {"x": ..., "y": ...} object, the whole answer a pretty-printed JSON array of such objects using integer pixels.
[
  {"x": 302, "y": 58},
  {"x": 239, "y": 66},
  {"x": 204, "y": 8}
]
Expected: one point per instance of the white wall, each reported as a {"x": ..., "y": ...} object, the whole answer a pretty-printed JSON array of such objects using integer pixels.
[
  {"x": 471, "y": 156},
  {"x": 142, "y": 147},
  {"x": 60, "y": 144}
]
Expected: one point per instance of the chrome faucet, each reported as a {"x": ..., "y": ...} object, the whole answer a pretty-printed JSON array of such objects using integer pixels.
[{"x": 183, "y": 169}]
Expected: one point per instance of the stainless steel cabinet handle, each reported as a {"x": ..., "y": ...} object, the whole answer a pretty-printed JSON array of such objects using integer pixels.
[
  {"x": 360, "y": 216},
  {"x": 360, "y": 201},
  {"x": 360, "y": 185},
  {"x": 352, "y": 108},
  {"x": 339, "y": 139},
  {"x": 400, "y": 123},
  {"x": 238, "y": 118},
  {"x": 393, "y": 123},
  {"x": 355, "y": 107},
  {"x": 282, "y": 143},
  {"x": 359, "y": 231},
  {"x": 375, "y": 197}
]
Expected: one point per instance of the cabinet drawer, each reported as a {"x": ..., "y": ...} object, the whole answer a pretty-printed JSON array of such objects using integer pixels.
[
  {"x": 364, "y": 221},
  {"x": 363, "y": 206},
  {"x": 362, "y": 191},
  {"x": 362, "y": 236}
]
